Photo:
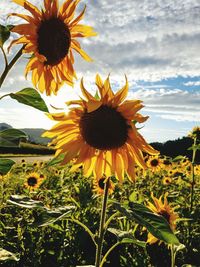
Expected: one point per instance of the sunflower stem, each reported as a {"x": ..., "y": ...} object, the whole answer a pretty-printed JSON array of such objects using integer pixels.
[
  {"x": 192, "y": 190},
  {"x": 102, "y": 225},
  {"x": 10, "y": 65},
  {"x": 193, "y": 176},
  {"x": 4, "y": 55},
  {"x": 4, "y": 96},
  {"x": 172, "y": 256},
  {"x": 85, "y": 228},
  {"x": 109, "y": 251}
]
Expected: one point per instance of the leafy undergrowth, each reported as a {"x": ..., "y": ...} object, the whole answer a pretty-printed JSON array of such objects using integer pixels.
[{"x": 38, "y": 225}]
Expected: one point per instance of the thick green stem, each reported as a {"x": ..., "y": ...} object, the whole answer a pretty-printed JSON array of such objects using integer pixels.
[
  {"x": 85, "y": 228},
  {"x": 193, "y": 177},
  {"x": 102, "y": 225},
  {"x": 10, "y": 65},
  {"x": 4, "y": 55},
  {"x": 108, "y": 252},
  {"x": 172, "y": 256}
]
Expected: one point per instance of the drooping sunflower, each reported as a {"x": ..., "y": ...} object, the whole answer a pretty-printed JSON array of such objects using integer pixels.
[
  {"x": 50, "y": 36},
  {"x": 164, "y": 209},
  {"x": 33, "y": 181},
  {"x": 195, "y": 133},
  {"x": 98, "y": 186},
  {"x": 101, "y": 133}
]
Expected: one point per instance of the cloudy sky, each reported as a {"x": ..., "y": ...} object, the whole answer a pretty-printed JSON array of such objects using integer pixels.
[{"x": 155, "y": 43}]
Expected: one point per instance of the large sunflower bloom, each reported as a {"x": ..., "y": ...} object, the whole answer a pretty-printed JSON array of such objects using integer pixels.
[
  {"x": 102, "y": 133},
  {"x": 50, "y": 36},
  {"x": 164, "y": 209}
]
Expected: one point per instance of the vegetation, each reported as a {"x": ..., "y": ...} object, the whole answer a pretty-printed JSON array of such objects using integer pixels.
[
  {"x": 42, "y": 222},
  {"x": 28, "y": 148}
]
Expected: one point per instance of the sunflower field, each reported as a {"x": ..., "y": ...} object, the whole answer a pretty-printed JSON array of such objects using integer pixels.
[
  {"x": 107, "y": 198},
  {"x": 45, "y": 208}
]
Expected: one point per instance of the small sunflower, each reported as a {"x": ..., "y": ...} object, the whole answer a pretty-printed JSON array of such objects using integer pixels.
[
  {"x": 154, "y": 163},
  {"x": 24, "y": 165},
  {"x": 33, "y": 181},
  {"x": 167, "y": 164},
  {"x": 101, "y": 133},
  {"x": 164, "y": 209},
  {"x": 167, "y": 180},
  {"x": 42, "y": 176},
  {"x": 98, "y": 186},
  {"x": 50, "y": 37}
]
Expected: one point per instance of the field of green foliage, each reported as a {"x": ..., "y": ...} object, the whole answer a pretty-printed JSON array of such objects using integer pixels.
[{"x": 45, "y": 208}]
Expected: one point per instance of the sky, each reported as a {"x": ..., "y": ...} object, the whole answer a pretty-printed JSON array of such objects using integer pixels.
[{"x": 155, "y": 43}]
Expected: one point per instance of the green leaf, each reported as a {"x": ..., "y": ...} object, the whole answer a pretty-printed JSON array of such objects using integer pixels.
[
  {"x": 56, "y": 160},
  {"x": 4, "y": 33},
  {"x": 178, "y": 158},
  {"x": 11, "y": 137},
  {"x": 6, "y": 255},
  {"x": 5, "y": 165},
  {"x": 126, "y": 237},
  {"x": 155, "y": 224},
  {"x": 194, "y": 147},
  {"x": 48, "y": 217},
  {"x": 25, "y": 202},
  {"x": 85, "y": 266},
  {"x": 30, "y": 97}
]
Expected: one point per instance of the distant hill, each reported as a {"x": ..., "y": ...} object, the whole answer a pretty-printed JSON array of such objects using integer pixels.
[
  {"x": 4, "y": 126},
  {"x": 33, "y": 134},
  {"x": 171, "y": 148},
  {"x": 174, "y": 148}
]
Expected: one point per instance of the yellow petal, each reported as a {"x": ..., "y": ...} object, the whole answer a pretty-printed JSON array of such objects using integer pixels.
[
  {"x": 121, "y": 94},
  {"x": 86, "y": 94},
  {"x": 93, "y": 105},
  {"x": 80, "y": 51}
]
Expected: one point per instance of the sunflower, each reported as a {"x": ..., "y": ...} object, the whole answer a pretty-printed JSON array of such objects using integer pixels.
[
  {"x": 101, "y": 133},
  {"x": 98, "y": 186},
  {"x": 164, "y": 209},
  {"x": 195, "y": 133},
  {"x": 167, "y": 163},
  {"x": 167, "y": 180},
  {"x": 50, "y": 37},
  {"x": 154, "y": 163},
  {"x": 33, "y": 181}
]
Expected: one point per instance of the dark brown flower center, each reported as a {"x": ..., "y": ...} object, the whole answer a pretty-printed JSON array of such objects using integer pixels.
[
  {"x": 104, "y": 128},
  {"x": 53, "y": 40},
  {"x": 154, "y": 162},
  {"x": 32, "y": 181},
  {"x": 167, "y": 162},
  {"x": 101, "y": 183}
]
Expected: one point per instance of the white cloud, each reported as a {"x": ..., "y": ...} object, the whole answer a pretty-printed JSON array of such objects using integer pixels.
[
  {"x": 147, "y": 40},
  {"x": 174, "y": 104},
  {"x": 192, "y": 83}
]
